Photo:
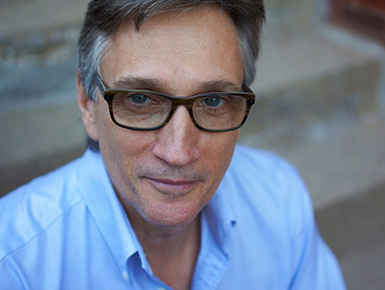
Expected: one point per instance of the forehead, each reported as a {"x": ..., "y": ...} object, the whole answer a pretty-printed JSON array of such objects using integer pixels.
[{"x": 177, "y": 49}]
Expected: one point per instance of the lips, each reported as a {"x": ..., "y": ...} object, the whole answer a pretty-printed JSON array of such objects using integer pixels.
[{"x": 172, "y": 187}]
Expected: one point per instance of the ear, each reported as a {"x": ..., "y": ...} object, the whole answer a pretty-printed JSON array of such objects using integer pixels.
[{"x": 87, "y": 109}]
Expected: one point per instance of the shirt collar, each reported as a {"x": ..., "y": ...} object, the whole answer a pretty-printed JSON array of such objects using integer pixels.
[
  {"x": 220, "y": 217},
  {"x": 106, "y": 209}
]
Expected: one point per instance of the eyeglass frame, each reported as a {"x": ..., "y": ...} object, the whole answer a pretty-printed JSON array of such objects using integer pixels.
[{"x": 187, "y": 101}]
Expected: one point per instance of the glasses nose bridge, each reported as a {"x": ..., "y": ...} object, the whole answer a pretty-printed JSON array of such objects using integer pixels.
[{"x": 188, "y": 103}]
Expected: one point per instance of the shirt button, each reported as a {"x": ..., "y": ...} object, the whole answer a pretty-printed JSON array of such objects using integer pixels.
[{"x": 125, "y": 275}]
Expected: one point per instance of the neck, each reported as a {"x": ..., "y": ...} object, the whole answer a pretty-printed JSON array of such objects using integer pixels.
[{"x": 171, "y": 251}]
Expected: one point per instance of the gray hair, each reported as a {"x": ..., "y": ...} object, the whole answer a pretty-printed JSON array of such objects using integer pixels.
[{"x": 104, "y": 17}]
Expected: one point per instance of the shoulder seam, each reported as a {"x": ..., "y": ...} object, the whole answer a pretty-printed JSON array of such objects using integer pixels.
[{"x": 43, "y": 229}]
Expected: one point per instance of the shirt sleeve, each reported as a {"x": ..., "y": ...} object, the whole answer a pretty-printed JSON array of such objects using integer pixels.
[{"x": 316, "y": 267}]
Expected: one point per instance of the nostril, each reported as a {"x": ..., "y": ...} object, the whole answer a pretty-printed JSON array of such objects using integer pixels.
[{"x": 176, "y": 155}]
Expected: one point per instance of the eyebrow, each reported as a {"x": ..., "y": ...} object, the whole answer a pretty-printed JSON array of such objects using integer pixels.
[
  {"x": 157, "y": 85},
  {"x": 220, "y": 85},
  {"x": 139, "y": 82}
]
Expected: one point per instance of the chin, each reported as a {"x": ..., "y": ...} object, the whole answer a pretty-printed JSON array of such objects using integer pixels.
[{"x": 171, "y": 215}]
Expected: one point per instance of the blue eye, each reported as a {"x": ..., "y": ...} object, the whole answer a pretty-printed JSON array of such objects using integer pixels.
[
  {"x": 213, "y": 101},
  {"x": 139, "y": 98}
]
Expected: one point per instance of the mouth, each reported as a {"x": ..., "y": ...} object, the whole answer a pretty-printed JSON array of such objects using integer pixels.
[{"x": 172, "y": 187}]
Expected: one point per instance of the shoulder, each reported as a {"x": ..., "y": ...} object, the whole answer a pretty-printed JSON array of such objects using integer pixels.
[
  {"x": 32, "y": 208},
  {"x": 252, "y": 168},
  {"x": 264, "y": 161},
  {"x": 262, "y": 186},
  {"x": 275, "y": 232}
]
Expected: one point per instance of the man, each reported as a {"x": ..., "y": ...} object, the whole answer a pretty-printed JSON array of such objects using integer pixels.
[{"x": 162, "y": 90}]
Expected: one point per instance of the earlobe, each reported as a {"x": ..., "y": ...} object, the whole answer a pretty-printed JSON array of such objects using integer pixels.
[{"x": 87, "y": 109}]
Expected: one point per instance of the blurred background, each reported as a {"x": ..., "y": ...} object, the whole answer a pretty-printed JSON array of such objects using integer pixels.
[{"x": 321, "y": 105}]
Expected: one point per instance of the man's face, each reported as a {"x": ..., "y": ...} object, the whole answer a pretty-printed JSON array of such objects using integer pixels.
[{"x": 168, "y": 175}]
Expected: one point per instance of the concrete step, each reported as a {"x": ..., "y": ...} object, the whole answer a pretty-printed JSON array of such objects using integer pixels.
[
  {"x": 354, "y": 230},
  {"x": 343, "y": 164}
]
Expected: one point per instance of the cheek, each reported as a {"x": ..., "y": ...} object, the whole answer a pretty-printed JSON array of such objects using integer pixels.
[
  {"x": 120, "y": 147},
  {"x": 222, "y": 144},
  {"x": 124, "y": 147},
  {"x": 219, "y": 151},
  {"x": 112, "y": 137}
]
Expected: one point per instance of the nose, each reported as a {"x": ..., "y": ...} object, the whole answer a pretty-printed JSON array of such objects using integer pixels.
[{"x": 177, "y": 141}]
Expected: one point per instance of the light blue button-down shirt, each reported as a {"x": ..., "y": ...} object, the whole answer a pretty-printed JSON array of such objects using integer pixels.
[{"x": 68, "y": 230}]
